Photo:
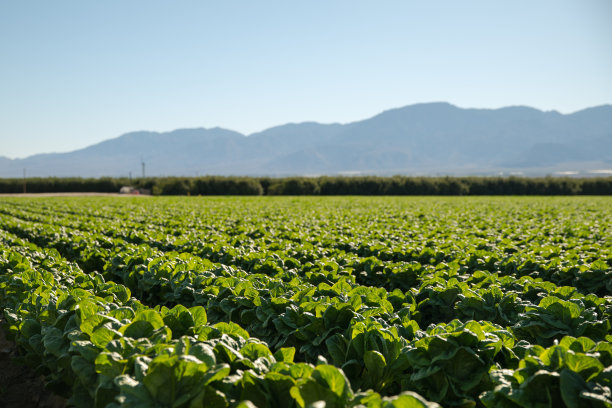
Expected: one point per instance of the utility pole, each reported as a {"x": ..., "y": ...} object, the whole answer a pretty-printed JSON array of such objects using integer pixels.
[
  {"x": 143, "y": 169},
  {"x": 24, "y": 180}
]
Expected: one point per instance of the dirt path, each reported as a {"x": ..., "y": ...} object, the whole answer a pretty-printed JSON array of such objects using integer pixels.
[
  {"x": 19, "y": 386},
  {"x": 71, "y": 195}
]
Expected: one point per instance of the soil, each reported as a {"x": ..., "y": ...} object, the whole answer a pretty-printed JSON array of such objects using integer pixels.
[{"x": 20, "y": 387}]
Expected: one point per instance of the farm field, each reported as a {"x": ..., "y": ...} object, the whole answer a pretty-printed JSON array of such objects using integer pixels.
[{"x": 312, "y": 301}]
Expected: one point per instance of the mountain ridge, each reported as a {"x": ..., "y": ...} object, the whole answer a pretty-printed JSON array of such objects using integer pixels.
[{"x": 428, "y": 138}]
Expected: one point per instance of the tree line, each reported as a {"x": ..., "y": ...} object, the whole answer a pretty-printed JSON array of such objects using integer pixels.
[{"x": 326, "y": 185}]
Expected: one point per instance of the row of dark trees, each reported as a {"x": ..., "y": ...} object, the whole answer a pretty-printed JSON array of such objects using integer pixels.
[
  {"x": 398, "y": 185},
  {"x": 367, "y": 185},
  {"x": 62, "y": 185}
]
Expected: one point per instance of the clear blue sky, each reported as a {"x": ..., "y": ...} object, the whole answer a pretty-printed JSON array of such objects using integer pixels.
[{"x": 73, "y": 73}]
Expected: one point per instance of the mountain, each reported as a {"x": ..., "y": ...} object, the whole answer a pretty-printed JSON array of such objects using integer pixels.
[{"x": 432, "y": 138}]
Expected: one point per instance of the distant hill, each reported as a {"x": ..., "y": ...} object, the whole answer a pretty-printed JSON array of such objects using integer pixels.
[{"x": 423, "y": 139}]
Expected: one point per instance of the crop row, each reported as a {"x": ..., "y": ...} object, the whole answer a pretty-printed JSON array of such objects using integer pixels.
[
  {"x": 291, "y": 325},
  {"x": 110, "y": 350},
  {"x": 581, "y": 263},
  {"x": 441, "y": 293},
  {"x": 94, "y": 336}
]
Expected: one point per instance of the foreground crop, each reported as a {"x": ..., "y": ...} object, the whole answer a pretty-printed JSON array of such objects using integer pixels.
[{"x": 287, "y": 302}]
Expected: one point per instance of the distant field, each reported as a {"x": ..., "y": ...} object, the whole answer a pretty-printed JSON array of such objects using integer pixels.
[{"x": 287, "y": 301}]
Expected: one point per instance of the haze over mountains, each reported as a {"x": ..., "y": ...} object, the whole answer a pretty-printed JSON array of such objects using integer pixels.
[{"x": 423, "y": 139}]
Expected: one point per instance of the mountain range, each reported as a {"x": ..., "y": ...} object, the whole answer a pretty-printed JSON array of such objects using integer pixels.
[{"x": 422, "y": 139}]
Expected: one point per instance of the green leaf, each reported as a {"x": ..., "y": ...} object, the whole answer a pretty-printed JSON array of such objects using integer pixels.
[
  {"x": 542, "y": 388},
  {"x": 133, "y": 393},
  {"x": 105, "y": 394},
  {"x": 122, "y": 313},
  {"x": 204, "y": 353},
  {"x": 375, "y": 364},
  {"x": 179, "y": 320},
  {"x": 252, "y": 391},
  {"x": 425, "y": 372},
  {"x": 216, "y": 373},
  {"x": 54, "y": 342},
  {"x": 198, "y": 313},
  {"x": 587, "y": 366},
  {"x": 141, "y": 366},
  {"x": 121, "y": 293},
  {"x": 232, "y": 329},
  {"x": 285, "y": 354},
  {"x": 162, "y": 378},
  {"x": 279, "y": 386},
  {"x": 300, "y": 370},
  {"x": 310, "y": 392},
  {"x": 87, "y": 308},
  {"x": 334, "y": 379},
  {"x": 571, "y": 385},
  {"x": 466, "y": 369},
  {"x": 434, "y": 386},
  {"x": 85, "y": 349},
  {"x": 564, "y": 310},
  {"x": 209, "y": 398},
  {"x": 138, "y": 329},
  {"x": 85, "y": 371},
  {"x": 151, "y": 316},
  {"x": 408, "y": 399},
  {"x": 110, "y": 364},
  {"x": 102, "y": 336},
  {"x": 91, "y": 322},
  {"x": 30, "y": 327},
  {"x": 253, "y": 351},
  {"x": 336, "y": 347}
]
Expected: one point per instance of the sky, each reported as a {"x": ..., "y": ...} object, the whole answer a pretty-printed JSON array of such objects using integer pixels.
[{"x": 75, "y": 73}]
